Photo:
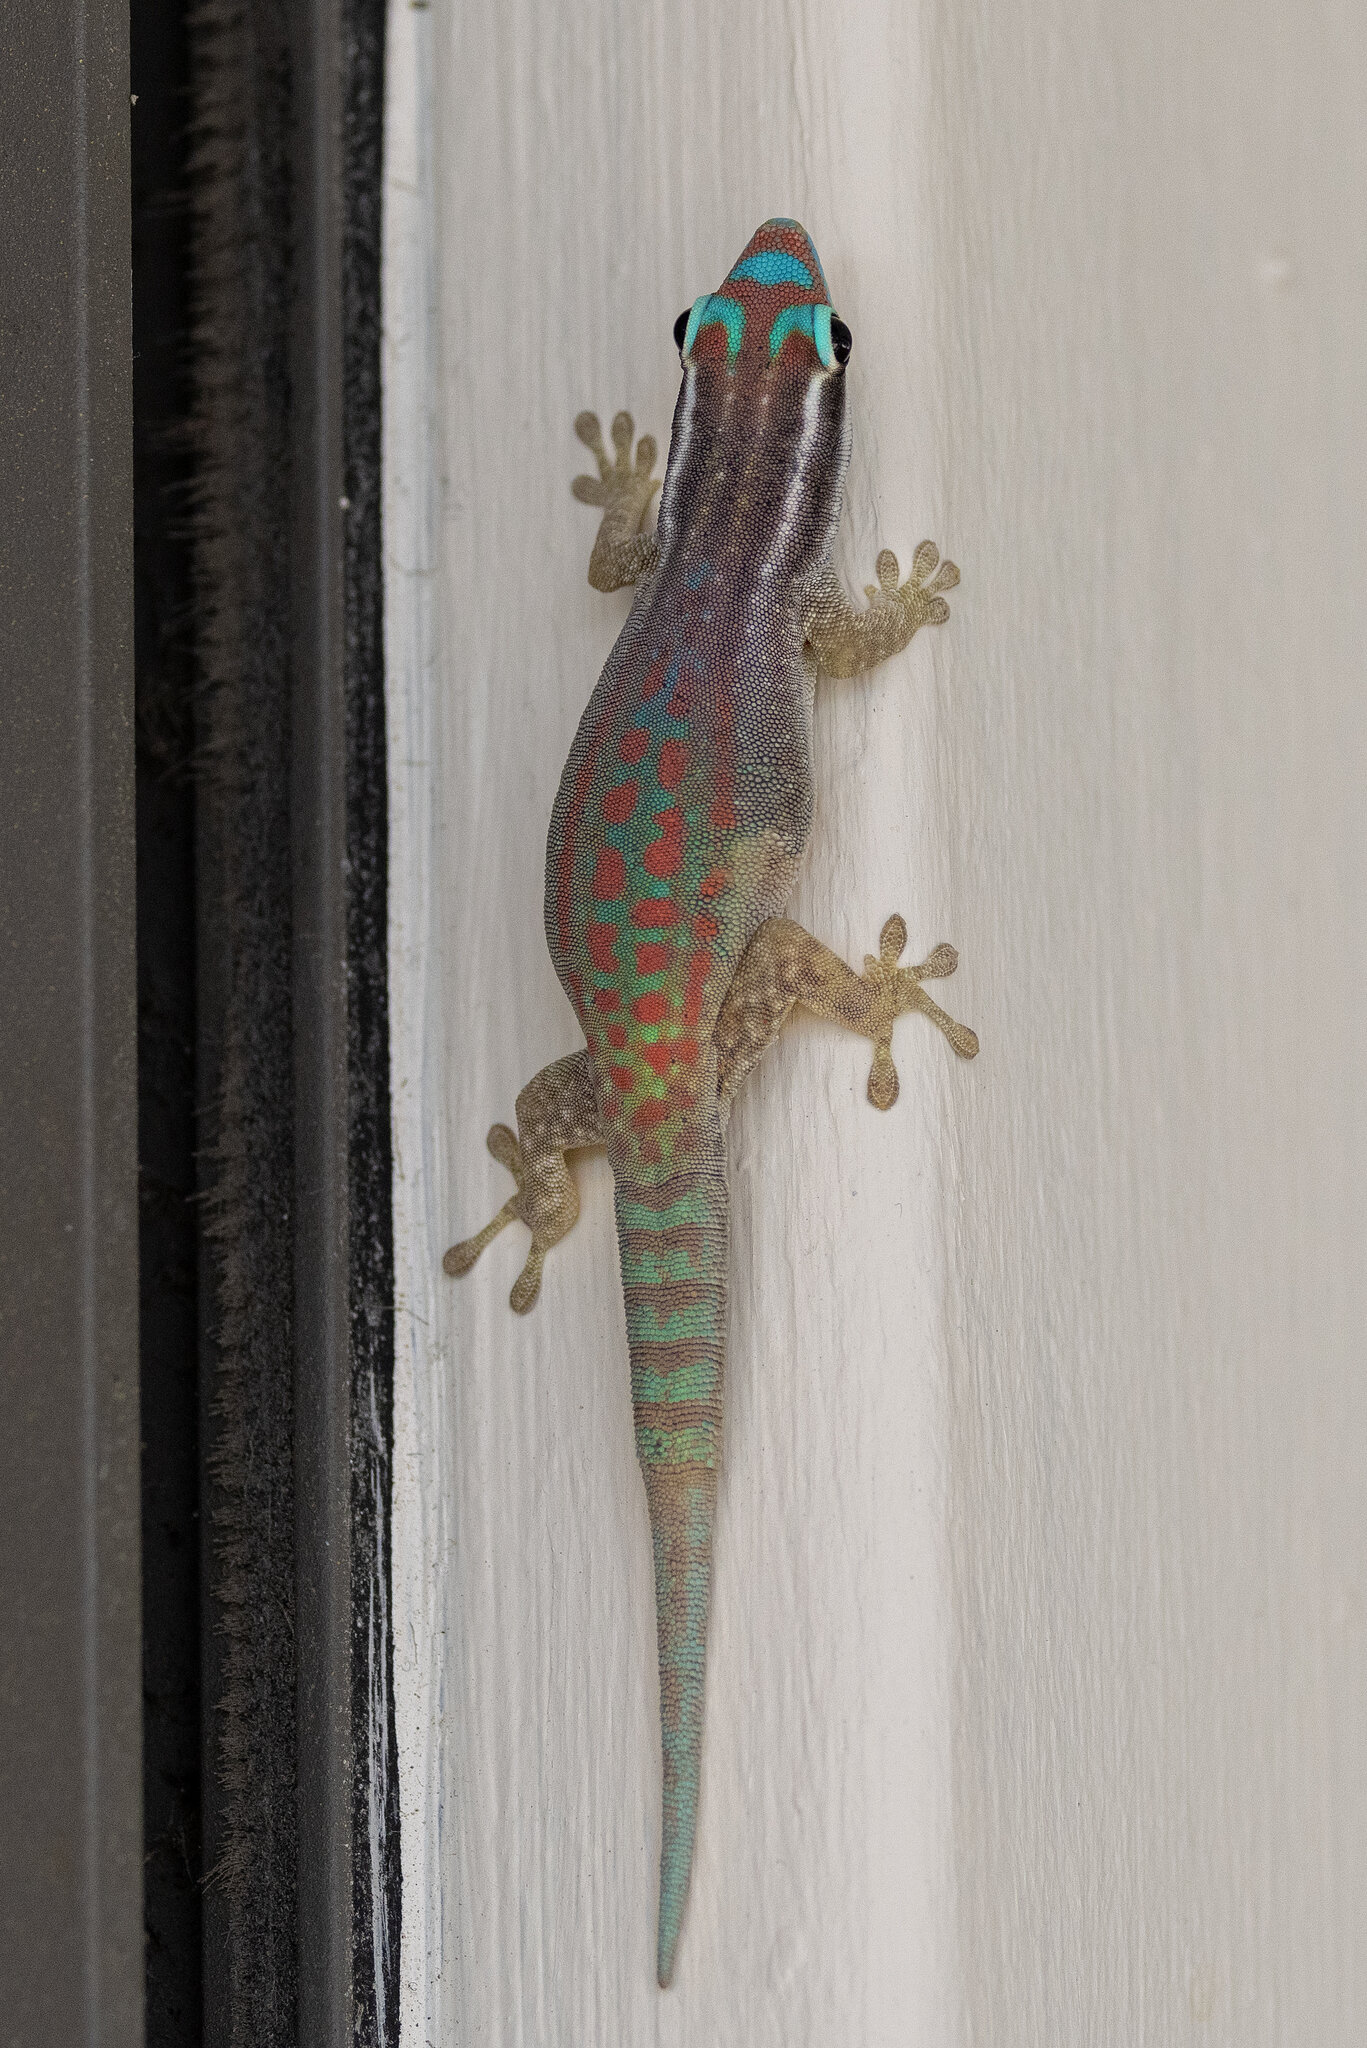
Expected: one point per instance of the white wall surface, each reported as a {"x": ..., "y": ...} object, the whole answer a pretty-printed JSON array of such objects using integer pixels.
[{"x": 1038, "y": 1684}]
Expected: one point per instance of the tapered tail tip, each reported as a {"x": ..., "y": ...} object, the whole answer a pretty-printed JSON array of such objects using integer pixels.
[{"x": 674, "y": 1875}]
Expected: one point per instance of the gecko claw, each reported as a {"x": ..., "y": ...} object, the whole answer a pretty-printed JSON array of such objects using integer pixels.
[{"x": 527, "y": 1285}]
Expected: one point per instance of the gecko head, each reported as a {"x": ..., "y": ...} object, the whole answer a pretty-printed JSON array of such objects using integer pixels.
[
  {"x": 773, "y": 316},
  {"x": 760, "y": 422}
]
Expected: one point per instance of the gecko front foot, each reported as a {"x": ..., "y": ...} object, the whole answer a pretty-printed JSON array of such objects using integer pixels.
[
  {"x": 846, "y": 640},
  {"x": 624, "y": 489},
  {"x": 898, "y": 989},
  {"x": 918, "y": 600}
]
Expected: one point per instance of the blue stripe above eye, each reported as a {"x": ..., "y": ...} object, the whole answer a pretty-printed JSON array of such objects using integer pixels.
[
  {"x": 792, "y": 320},
  {"x": 773, "y": 266},
  {"x": 813, "y": 321},
  {"x": 727, "y": 313}
]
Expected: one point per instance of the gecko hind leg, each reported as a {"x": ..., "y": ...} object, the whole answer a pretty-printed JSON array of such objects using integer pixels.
[
  {"x": 556, "y": 1113},
  {"x": 784, "y": 965}
]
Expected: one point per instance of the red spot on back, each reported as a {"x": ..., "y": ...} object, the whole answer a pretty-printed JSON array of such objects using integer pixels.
[
  {"x": 617, "y": 1036},
  {"x": 673, "y": 761},
  {"x": 659, "y": 1056},
  {"x": 713, "y": 884},
  {"x": 705, "y": 927},
  {"x": 655, "y": 910},
  {"x": 605, "y": 999},
  {"x": 664, "y": 856},
  {"x": 651, "y": 1007},
  {"x": 652, "y": 957},
  {"x": 722, "y": 815},
  {"x": 601, "y": 939},
  {"x": 622, "y": 1077},
  {"x": 687, "y": 1049},
  {"x": 619, "y": 803},
  {"x": 648, "y": 1114},
  {"x": 610, "y": 875},
  {"x": 633, "y": 744},
  {"x": 583, "y": 785}
]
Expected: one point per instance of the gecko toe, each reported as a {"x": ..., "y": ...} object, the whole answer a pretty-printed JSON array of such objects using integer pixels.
[
  {"x": 883, "y": 1082},
  {"x": 527, "y": 1285}
]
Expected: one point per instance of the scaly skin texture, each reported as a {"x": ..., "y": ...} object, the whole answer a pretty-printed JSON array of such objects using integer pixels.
[{"x": 675, "y": 841}]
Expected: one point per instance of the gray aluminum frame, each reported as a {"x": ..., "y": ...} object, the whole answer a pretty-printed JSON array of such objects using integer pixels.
[{"x": 71, "y": 1956}]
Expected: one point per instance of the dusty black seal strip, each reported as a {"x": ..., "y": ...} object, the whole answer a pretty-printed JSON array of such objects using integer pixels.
[
  {"x": 376, "y": 1891},
  {"x": 301, "y": 1912},
  {"x": 241, "y": 235},
  {"x": 168, "y": 1219}
]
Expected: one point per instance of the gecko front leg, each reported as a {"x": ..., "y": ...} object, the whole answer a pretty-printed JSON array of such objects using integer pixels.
[
  {"x": 622, "y": 554},
  {"x": 846, "y": 641}
]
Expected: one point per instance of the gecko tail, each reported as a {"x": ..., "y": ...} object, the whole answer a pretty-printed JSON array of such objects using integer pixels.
[
  {"x": 673, "y": 1238},
  {"x": 682, "y": 1501}
]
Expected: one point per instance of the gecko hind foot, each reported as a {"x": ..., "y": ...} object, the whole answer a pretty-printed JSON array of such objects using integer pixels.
[
  {"x": 506, "y": 1150},
  {"x": 900, "y": 990},
  {"x": 546, "y": 1201},
  {"x": 920, "y": 597}
]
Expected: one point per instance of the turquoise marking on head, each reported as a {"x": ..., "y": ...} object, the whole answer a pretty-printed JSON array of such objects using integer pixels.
[
  {"x": 792, "y": 320},
  {"x": 773, "y": 266},
  {"x": 779, "y": 223},
  {"x": 727, "y": 313},
  {"x": 813, "y": 321}
]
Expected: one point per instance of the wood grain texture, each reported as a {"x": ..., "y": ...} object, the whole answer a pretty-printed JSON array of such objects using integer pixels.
[{"x": 1038, "y": 1671}]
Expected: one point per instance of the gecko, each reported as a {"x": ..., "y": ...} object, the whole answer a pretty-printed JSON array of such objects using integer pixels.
[{"x": 675, "y": 839}]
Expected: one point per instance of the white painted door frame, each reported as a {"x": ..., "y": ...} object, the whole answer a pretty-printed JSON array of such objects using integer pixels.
[{"x": 1038, "y": 1673}]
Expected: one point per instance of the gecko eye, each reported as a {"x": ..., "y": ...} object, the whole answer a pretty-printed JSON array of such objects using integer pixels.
[
  {"x": 842, "y": 341},
  {"x": 681, "y": 327}
]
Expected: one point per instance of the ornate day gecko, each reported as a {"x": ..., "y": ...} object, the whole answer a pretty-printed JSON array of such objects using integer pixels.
[{"x": 674, "y": 843}]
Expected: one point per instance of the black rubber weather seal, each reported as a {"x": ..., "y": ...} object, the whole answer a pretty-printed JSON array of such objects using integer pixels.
[{"x": 301, "y": 1906}]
